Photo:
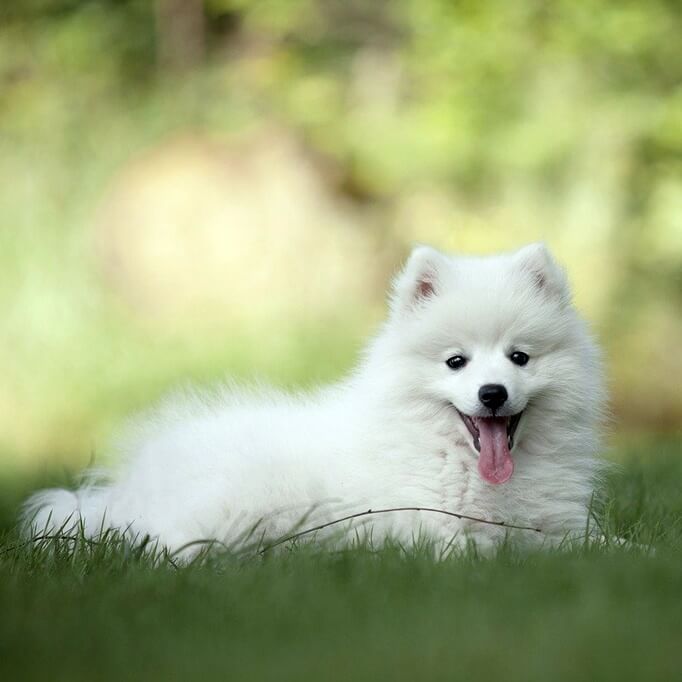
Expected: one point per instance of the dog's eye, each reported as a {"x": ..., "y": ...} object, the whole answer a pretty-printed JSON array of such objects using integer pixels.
[
  {"x": 456, "y": 362},
  {"x": 519, "y": 358}
]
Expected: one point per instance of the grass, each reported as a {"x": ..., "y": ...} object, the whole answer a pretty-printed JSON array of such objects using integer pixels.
[{"x": 107, "y": 612}]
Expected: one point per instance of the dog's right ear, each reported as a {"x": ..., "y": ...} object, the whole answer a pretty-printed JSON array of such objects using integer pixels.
[{"x": 420, "y": 279}]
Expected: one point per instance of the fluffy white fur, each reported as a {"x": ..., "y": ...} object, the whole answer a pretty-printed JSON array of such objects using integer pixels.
[{"x": 216, "y": 466}]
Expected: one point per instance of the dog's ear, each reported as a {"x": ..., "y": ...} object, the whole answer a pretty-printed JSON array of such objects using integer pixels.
[
  {"x": 420, "y": 279},
  {"x": 546, "y": 274}
]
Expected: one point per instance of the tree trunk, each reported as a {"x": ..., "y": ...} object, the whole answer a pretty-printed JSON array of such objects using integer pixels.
[{"x": 180, "y": 31}]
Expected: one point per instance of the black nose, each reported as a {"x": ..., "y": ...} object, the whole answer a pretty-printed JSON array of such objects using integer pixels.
[{"x": 493, "y": 395}]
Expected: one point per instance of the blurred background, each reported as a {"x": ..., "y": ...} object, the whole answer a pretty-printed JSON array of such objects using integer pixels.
[{"x": 191, "y": 189}]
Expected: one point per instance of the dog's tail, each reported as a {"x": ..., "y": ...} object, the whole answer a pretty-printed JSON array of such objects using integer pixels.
[{"x": 60, "y": 511}]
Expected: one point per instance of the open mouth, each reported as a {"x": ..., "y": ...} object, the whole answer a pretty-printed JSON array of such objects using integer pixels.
[{"x": 493, "y": 439}]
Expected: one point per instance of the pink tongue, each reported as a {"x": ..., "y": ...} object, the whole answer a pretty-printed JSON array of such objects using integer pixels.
[{"x": 494, "y": 460}]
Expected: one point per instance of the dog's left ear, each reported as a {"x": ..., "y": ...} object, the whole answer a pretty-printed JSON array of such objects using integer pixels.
[
  {"x": 547, "y": 275},
  {"x": 421, "y": 279}
]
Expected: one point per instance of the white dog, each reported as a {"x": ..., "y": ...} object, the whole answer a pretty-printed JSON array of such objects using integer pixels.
[{"x": 481, "y": 395}]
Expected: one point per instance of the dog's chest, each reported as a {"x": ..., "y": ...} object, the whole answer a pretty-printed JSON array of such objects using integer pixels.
[
  {"x": 457, "y": 482},
  {"x": 436, "y": 470}
]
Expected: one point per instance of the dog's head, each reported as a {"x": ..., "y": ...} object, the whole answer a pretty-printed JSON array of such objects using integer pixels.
[{"x": 497, "y": 340}]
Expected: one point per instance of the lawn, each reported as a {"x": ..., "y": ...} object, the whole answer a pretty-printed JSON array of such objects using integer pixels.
[{"x": 593, "y": 612}]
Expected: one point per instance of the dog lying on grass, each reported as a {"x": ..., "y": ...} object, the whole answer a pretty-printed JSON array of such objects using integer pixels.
[{"x": 480, "y": 396}]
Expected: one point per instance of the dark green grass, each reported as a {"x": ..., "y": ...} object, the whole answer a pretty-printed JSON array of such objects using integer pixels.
[{"x": 104, "y": 612}]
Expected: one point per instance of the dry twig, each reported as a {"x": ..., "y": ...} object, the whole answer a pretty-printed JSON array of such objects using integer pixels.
[{"x": 370, "y": 512}]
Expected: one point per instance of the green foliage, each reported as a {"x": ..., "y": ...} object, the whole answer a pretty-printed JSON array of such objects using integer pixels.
[{"x": 472, "y": 73}]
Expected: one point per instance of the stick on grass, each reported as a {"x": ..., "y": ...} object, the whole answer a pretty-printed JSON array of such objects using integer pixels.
[{"x": 370, "y": 512}]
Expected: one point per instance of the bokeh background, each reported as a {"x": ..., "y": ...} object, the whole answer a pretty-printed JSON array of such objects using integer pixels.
[{"x": 192, "y": 189}]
